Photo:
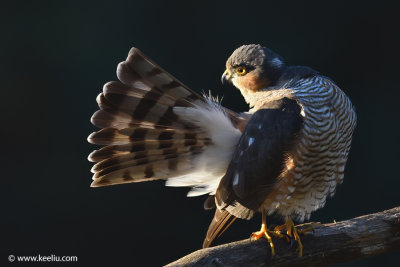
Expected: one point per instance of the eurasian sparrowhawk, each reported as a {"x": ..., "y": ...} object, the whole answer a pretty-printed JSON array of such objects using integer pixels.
[{"x": 285, "y": 156}]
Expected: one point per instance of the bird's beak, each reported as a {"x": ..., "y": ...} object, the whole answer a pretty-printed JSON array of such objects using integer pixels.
[{"x": 226, "y": 76}]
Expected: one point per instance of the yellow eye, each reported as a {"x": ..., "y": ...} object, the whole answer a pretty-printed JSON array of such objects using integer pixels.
[{"x": 241, "y": 70}]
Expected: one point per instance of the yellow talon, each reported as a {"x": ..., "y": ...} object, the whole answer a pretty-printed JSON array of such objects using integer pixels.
[
  {"x": 292, "y": 231},
  {"x": 290, "y": 228},
  {"x": 264, "y": 232}
]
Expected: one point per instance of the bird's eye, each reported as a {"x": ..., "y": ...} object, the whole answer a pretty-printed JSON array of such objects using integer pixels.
[{"x": 241, "y": 70}]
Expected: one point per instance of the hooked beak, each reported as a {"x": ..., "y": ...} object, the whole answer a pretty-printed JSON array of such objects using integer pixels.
[{"x": 226, "y": 76}]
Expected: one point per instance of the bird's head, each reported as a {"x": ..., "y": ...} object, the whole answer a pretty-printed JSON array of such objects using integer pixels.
[{"x": 252, "y": 67}]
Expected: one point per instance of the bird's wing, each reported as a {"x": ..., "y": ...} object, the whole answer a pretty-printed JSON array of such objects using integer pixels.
[
  {"x": 153, "y": 126},
  {"x": 257, "y": 162}
]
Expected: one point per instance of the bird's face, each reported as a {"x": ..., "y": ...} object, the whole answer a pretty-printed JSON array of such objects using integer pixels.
[
  {"x": 245, "y": 77},
  {"x": 252, "y": 68}
]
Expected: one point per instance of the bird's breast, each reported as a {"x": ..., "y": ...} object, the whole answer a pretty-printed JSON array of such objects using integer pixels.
[{"x": 315, "y": 164}]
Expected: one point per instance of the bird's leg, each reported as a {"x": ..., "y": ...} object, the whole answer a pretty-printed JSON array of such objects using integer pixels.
[
  {"x": 264, "y": 232},
  {"x": 293, "y": 232}
]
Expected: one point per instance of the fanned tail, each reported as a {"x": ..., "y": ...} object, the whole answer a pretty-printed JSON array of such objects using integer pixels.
[
  {"x": 154, "y": 127},
  {"x": 144, "y": 139}
]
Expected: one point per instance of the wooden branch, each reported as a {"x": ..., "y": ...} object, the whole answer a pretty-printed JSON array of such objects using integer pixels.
[{"x": 329, "y": 243}]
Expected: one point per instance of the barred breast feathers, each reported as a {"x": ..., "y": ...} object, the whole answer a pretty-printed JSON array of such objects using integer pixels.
[{"x": 316, "y": 164}]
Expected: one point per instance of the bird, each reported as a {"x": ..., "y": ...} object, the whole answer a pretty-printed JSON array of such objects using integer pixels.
[{"x": 284, "y": 156}]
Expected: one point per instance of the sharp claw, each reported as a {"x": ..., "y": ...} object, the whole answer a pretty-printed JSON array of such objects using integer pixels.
[
  {"x": 264, "y": 233},
  {"x": 292, "y": 234}
]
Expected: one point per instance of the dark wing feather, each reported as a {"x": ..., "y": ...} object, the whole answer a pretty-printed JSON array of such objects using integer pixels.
[
  {"x": 257, "y": 161},
  {"x": 260, "y": 154}
]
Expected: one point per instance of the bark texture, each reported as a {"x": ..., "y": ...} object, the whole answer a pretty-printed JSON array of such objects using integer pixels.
[{"x": 329, "y": 243}]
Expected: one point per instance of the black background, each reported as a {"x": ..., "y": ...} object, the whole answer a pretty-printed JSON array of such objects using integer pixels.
[{"x": 55, "y": 57}]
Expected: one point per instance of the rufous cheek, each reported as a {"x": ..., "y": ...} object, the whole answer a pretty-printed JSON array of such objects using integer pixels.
[{"x": 252, "y": 82}]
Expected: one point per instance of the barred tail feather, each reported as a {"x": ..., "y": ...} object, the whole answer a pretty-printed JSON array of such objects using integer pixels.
[
  {"x": 146, "y": 169},
  {"x": 154, "y": 127}
]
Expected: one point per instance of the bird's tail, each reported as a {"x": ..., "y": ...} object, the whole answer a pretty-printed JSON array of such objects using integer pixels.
[
  {"x": 154, "y": 127},
  {"x": 221, "y": 221}
]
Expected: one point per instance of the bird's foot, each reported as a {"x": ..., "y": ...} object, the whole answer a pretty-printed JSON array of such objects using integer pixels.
[
  {"x": 305, "y": 231},
  {"x": 292, "y": 231},
  {"x": 264, "y": 232}
]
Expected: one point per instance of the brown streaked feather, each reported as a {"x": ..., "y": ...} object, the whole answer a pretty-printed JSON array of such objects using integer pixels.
[
  {"x": 143, "y": 66},
  {"x": 139, "y": 68},
  {"x": 136, "y": 149},
  {"x": 141, "y": 170},
  {"x": 105, "y": 167},
  {"x": 160, "y": 144},
  {"x": 113, "y": 136},
  {"x": 148, "y": 155},
  {"x": 146, "y": 95},
  {"x": 143, "y": 138},
  {"x": 221, "y": 221},
  {"x": 104, "y": 119}
]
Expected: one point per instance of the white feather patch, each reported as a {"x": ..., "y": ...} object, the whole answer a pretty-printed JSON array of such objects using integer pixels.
[
  {"x": 211, "y": 165},
  {"x": 251, "y": 141}
]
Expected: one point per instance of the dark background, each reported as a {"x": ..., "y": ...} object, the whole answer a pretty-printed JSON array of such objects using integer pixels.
[{"x": 55, "y": 57}]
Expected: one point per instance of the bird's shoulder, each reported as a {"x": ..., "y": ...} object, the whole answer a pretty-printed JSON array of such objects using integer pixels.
[{"x": 292, "y": 74}]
